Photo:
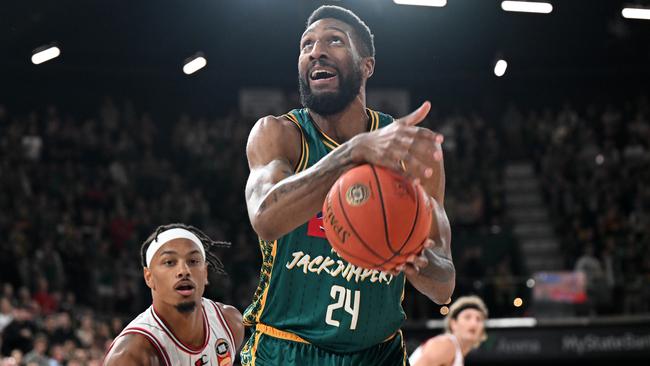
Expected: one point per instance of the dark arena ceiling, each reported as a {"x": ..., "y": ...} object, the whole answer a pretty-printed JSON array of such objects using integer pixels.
[{"x": 128, "y": 44}]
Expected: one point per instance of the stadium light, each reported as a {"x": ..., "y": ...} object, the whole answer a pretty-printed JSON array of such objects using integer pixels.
[
  {"x": 436, "y": 3},
  {"x": 444, "y": 310},
  {"x": 42, "y": 55},
  {"x": 517, "y": 302},
  {"x": 636, "y": 13},
  {"x": 500, "y": 68},
  {"x": 511, "y": 323},
  {"x": 527, "y": 7},
  {"x": 194, "y": 64},
  {"x": 530, "y": 283}
]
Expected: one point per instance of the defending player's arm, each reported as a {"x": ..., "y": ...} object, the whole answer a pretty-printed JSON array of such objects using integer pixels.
[
  {"x": 278, "y": 200},
  {"x": 132, "y": 350}
]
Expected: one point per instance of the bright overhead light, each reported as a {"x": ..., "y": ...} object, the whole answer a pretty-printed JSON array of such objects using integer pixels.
[
  {"x": 45, "y": 55},
  {"x": 527, "y": 6},
  {"x": 511, "y": 322},
  {"x": 500, "y": 68},
  {"x": 436, "y": 3},
  {"x": 530, "y": 283},
  {"x": 636, "y": 13},
  {"x": 194, "y": 65}
]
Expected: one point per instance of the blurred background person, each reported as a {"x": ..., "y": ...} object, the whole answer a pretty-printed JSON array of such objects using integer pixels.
[{"x": 464, "y": 331}]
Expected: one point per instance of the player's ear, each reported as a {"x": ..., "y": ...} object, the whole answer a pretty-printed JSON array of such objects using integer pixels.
[
  {"x": 207, "y": 271},
  {"x": 368, "y": 66},
  {"x": 148, "y": 278},
  {"x": 452, "y": 325}
]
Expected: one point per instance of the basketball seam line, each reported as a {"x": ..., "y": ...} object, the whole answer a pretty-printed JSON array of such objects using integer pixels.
[
  {"x": 395, "y": 254},
  {"x": 383, "y": 210},
  {"x": 415, "y": 221},
  {"x": 363, "y": 242}
]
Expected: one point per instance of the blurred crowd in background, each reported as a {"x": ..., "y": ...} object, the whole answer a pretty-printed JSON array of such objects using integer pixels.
[
  {"x": 81, "y": 193},
  {"x": 594, "y": 165}
]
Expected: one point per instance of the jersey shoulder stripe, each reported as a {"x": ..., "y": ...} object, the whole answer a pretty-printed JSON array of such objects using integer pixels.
[
  {"x": 304, "y": 146},
  {"x": 224, "y": 323},
  {"x": 152, "y": 339}
]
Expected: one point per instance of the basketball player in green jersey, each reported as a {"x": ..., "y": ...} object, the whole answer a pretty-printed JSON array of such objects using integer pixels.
[{"x": 312, "y": 307}]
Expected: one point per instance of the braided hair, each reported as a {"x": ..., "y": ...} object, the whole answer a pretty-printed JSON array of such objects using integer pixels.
[{"x": 208, "y": 244}]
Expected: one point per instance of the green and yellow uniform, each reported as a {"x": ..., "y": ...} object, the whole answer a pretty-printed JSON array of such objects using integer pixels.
[{"x": 313, "y": 308}]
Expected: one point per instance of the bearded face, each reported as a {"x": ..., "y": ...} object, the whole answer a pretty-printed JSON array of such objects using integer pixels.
[
  {"x": 331, "y": 100},
  {"x": 329, "y": 67}
]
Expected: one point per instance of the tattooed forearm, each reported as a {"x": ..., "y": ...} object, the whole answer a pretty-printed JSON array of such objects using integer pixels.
[
  {"x": 286, "y": 200},
  {"x": 323, "y": 172}
]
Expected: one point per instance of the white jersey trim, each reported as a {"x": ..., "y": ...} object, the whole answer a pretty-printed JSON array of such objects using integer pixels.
[
  {"x": 178, "y": 342},
  {"x": 225, "y": 325}
]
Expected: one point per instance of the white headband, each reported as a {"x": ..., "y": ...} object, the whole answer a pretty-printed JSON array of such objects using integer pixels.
[{"x": 171, "y": 234}]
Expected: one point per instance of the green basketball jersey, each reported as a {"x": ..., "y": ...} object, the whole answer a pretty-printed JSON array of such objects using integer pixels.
[{"x": 307, "y": 290}]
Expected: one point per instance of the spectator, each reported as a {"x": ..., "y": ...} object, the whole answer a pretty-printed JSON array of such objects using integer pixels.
[
  {"x": 6, "y": 313},
  {"x": 37, "y": 355},
  {"x": 86, "y": 332},
  {"x": 44, "y": 298}
]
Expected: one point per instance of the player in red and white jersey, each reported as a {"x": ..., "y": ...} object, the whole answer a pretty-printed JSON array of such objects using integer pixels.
[
  {"x": 464, "y": 331},
  {"x": 180, "y": 327}
]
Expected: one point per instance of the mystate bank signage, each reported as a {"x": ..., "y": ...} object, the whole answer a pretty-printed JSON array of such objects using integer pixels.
[
  {"x": 565, "y": 343},
  {"x": 616, "y": 341}
]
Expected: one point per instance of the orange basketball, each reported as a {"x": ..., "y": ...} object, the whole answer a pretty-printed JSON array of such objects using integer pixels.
[{"x": 375, "y": 218}]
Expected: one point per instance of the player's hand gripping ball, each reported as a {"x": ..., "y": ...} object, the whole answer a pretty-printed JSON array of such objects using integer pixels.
[{"x": 376, "y": 218}]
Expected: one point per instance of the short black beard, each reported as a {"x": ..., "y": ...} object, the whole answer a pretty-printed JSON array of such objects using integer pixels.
[
  {"x": 186, "y": 307},
  {"x": 327, "y": 104}
]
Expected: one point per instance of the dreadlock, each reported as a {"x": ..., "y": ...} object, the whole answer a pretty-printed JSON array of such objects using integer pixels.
[{"x": 208, "y": 244}]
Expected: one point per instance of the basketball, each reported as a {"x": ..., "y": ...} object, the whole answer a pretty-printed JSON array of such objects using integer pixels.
[{"x": 375, "y": 218}]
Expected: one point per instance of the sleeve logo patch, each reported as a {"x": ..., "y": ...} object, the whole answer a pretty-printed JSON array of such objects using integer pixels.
[{"x": 315, "y": 226}]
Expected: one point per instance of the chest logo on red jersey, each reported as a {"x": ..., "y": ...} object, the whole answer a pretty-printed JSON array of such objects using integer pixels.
[{"x": 315, "y": 226}]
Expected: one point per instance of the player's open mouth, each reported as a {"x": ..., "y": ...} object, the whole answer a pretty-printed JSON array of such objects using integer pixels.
[
  {"x": 322, "y": 75},
  {"x": 185, "y": 288}
]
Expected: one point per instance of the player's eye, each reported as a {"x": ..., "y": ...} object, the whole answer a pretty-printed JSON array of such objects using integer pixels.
[
  {"x": 336, "y": 40},
  {"x": 168, "y": 263},
  {"x": 307, "y": 44}
]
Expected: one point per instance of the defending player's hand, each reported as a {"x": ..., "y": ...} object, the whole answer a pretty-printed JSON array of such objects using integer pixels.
[{"x": 402, "y": 146}]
